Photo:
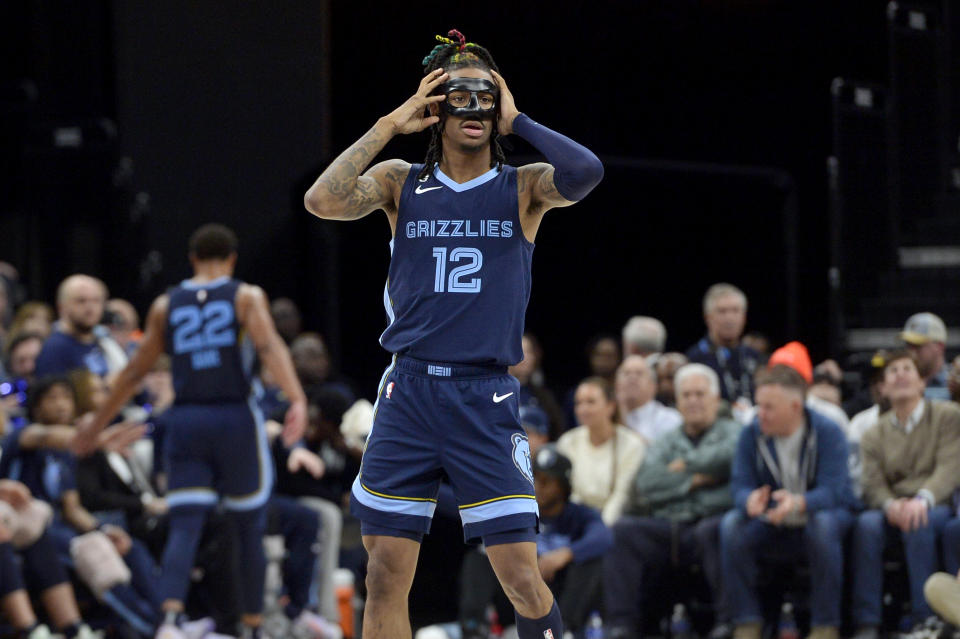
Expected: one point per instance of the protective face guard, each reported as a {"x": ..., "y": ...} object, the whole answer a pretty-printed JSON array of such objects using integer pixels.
[{"x": 474, "y": 86}]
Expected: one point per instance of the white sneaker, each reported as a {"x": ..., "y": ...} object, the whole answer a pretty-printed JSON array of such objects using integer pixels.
[
  {"x": 198, "y": 629},
  {"x": 309, "y": 625},
  {"x": 86, "y": 632},
  {"x": 167, "y": 631},
  {"x": 40, "y": 632}
]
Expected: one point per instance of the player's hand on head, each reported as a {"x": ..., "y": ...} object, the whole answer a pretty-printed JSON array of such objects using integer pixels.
[
  {"x": 409, "y": 117},
  {"x": 294, "y": 423},
  {"x": 508, "y": 108}
]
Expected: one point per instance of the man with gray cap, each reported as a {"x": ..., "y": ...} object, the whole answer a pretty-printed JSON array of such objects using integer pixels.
[{"x": 925, "y": 335}]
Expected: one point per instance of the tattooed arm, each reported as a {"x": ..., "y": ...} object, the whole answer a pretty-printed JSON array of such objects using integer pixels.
[{"x": 342, "y": 193}]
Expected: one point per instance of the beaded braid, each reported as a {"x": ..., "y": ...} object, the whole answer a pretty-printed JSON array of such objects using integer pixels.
[{"x": 449, "y": 55}]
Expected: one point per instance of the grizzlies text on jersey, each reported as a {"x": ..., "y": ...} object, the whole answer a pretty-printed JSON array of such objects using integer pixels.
[{"x": 459, "y": 279}]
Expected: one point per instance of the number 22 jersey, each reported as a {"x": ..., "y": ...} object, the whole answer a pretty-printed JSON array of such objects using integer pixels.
[
  {"x": 210, "y": 359},
  {"x": 459, "y": 279}
]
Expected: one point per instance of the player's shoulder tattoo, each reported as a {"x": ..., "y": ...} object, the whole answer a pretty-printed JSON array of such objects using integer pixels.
[
  {"x": 396, "y": 172},
  {"x": 536, "y": 180}
]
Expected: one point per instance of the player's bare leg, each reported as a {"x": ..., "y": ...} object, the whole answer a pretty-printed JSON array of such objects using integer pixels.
[
  {"x": 519, "y": 574},
  {"x": 390, "y": 569}
]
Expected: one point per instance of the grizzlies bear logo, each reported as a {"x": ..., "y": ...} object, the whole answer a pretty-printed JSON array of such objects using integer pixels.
[{"x": 521, "y": 455}]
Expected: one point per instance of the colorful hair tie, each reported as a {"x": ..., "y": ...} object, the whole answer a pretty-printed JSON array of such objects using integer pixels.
[{"x": 453, "y": 33}]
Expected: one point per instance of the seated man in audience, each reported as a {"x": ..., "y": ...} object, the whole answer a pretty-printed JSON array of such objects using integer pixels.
[
  {"x": 665, "y": 368},
  {"x": 644, "y": 336},
  {"x": 725, "y": 314},
  {"x": 791, "y": 490},
  {"x": 925, "y": 335},
  {"x": 314, "y": 368},
  {"x": 910, "y": 468},
  {"x": 679, "y": 496},
  {"x": 570, "y": 546},
  {"x": 78, "y": 341},
  {"x": 796, "y": 356},
  {"x": 636, "y": 389}
]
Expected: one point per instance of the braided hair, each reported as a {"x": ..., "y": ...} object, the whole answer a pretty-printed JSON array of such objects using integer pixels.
[{"x": 453, "y": 53}]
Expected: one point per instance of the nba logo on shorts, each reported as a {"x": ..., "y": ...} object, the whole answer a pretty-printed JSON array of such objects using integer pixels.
[
  {"x": 389, "y": 390},
  {"x": 548, "y": 634}
]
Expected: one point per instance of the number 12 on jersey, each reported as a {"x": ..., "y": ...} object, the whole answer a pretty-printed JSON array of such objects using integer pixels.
[{"x": 455, "y": 282}]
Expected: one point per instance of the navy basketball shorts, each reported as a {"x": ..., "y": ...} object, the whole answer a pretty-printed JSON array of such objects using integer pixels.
[
  {"x": 217, "y": 450},
  {"x": 432, "y": 419}
]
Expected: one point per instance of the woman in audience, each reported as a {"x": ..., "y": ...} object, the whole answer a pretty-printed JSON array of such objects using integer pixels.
[
  {"x": 605, "y": 455},
  {"x": 33, "y": 317}
]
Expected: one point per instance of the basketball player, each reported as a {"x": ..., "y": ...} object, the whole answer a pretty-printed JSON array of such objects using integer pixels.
[
  {"x": 215, "y": 444},
  {"x": 463, "y": 228}
]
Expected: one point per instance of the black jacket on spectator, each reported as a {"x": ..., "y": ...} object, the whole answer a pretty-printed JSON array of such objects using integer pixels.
[
  {"x": 341, "y": 469},
  {"x": 734, "y": 366},
  {"x": 102, "y": 489}
]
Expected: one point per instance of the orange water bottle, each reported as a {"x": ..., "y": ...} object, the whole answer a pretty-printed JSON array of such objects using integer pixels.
[{"x": 343, "y": 582}]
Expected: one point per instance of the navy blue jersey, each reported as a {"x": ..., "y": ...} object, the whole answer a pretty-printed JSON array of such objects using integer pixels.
[
  {"x": 205, "y": 343},
  {"x": 459, "y": 279},
  {"x": 46, "y": 472},
  {"x": 62, "y": 353}
]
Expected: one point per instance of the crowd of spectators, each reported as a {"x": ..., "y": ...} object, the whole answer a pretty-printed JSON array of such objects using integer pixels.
[{"x": 662, "y": 478}]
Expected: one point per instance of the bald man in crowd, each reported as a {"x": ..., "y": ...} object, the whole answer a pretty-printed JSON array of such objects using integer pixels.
[{"x": 77, "y": 341}]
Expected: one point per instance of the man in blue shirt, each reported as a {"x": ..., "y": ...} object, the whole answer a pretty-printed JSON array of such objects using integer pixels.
[
  {"x": 77, "y": 341},
  {"x": 791, "y": 490}
]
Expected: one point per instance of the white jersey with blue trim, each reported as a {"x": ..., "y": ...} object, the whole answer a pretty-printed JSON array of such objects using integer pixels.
[{"x": 459, "y": 279}]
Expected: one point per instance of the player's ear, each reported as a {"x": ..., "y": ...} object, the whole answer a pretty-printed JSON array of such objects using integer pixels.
[{"x": 434, "y": 109}]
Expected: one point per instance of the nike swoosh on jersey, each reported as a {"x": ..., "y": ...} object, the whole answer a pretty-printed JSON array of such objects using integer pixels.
[
  {"x": 499, "y": 398},
  {"x": 420, "y": 189}
]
